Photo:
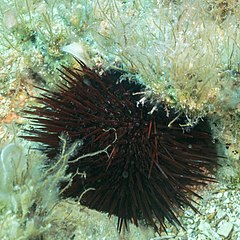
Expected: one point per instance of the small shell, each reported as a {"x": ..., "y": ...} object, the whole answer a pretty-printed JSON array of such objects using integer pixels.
[{"x": 78, "y": 50}]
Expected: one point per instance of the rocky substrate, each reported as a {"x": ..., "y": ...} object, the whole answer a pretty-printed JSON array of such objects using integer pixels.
[{"x": 218, "y": 218}]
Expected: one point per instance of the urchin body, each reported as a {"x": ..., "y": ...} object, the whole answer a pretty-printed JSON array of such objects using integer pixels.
[{"x": 146, "y": 169}]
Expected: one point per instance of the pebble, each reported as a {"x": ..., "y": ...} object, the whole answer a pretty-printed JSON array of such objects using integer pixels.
[{"x": 225, "y": 229}]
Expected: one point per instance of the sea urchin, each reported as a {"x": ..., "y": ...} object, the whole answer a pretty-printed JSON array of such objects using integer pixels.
[{"x": 147, "y": 169}]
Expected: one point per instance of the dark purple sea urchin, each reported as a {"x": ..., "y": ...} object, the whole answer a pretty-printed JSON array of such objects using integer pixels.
[{"x": 148, "y": 170}]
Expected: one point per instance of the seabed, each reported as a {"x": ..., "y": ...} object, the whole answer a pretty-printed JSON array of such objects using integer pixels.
[{"x": 186, "y": 54}]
